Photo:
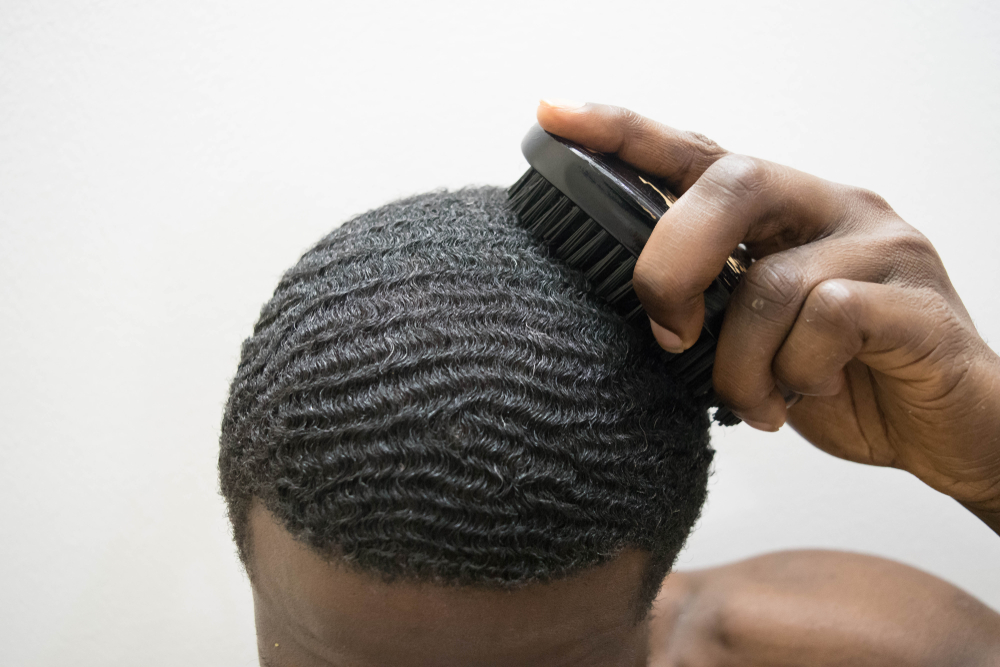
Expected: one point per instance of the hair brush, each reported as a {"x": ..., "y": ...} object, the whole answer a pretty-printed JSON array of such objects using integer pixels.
[{"x": 595, "y": 213}]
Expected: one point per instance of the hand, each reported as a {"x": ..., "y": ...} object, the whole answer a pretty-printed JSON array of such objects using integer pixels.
[
  {"x": 819, "y": 608},
  {"x": 846, "y": 304}
]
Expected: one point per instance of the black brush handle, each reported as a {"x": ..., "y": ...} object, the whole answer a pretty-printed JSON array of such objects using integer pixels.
[
  {"x": 625, "y": 202},
  {"x": 614, "y": 194}
]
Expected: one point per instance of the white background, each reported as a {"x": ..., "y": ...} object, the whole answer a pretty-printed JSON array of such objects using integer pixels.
[{"x": 161, "y": 164}]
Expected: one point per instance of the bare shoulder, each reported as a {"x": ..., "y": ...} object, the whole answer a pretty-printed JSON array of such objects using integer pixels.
[{"x": 820, "y": 608}]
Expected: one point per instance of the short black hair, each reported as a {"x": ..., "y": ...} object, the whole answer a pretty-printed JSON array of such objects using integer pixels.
[{"x": 429, "y": 395}]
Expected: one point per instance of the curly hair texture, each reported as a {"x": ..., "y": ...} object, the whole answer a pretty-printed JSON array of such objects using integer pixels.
[{"x": 429, "y": 396}]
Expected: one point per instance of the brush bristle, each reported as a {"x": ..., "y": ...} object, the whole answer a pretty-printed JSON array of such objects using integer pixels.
[
  {"x": 580, "y": 242},
  {"x": 576, "y": 239}
]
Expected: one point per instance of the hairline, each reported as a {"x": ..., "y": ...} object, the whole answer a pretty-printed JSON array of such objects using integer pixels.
[{"x": 640, "y": 606}]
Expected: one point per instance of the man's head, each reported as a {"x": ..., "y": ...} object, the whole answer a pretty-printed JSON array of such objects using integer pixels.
[{"x": 441, "y": 449}]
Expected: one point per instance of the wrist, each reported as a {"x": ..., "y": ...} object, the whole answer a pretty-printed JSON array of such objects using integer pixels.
[
  {"x": 986, "y": 505},
  {"x": 970, "y": 473}
]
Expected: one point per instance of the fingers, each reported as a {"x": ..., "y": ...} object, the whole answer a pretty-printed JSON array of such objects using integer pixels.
[
  {"x": 823, "y": 252},
  {"x": 728, "y": 200},
  {"x": 883, "y": 326},
  {"x": 678, "y": 157},
  {"x": 737, "y": 200},
  {"x": 829, "y": 333},
  {"x": 843, "y": 325},
  {"x": 766, "y": 306}
]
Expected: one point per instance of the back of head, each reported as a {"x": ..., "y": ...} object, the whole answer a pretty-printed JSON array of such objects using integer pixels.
[{"x": 429, "y": 396}]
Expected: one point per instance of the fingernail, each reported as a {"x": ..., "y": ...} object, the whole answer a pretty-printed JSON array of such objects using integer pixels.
[
  {"x": 556, "y": 103},
  {"x": 666, "y": 338},
  {"x": 760, "y": 426},
  {"x": 791, "y": 397}
]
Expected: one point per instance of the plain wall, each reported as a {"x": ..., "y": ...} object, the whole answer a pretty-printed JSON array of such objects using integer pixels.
[{"x": 161, "y": 164}]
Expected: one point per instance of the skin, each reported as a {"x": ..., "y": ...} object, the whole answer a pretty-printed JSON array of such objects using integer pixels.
[
  {"x": 796, "y": 608},
  {"x": 846, "y": 305},
  {"x": 314, "y": 613},
  {"x": 822, "y": 609}
]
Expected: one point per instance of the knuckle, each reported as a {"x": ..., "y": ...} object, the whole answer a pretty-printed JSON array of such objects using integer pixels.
[
  {"x": 702, "y": 144},
  {"x": 939, "y": 308},
  {"x": 833, "y": 302},
  {"x": 906, "y": 253},
  {"x": 699, "y": 152},
  {"x": 915, "y": 258},
  {"x": 773, "y": 284},
  {"x": 870, "y": 200},
  {"x": 918, "y": 244},
  {"x": 805, "y": 362},
  {"x": 740, "y": 175},
  {"x": 628, "y": 118}
]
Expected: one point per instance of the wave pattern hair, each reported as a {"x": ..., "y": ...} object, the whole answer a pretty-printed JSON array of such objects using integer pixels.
[{"x": 428, "y": 395}]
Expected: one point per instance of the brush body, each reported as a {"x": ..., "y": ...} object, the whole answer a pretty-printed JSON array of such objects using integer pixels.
[{"x": 595, "y": 213}]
